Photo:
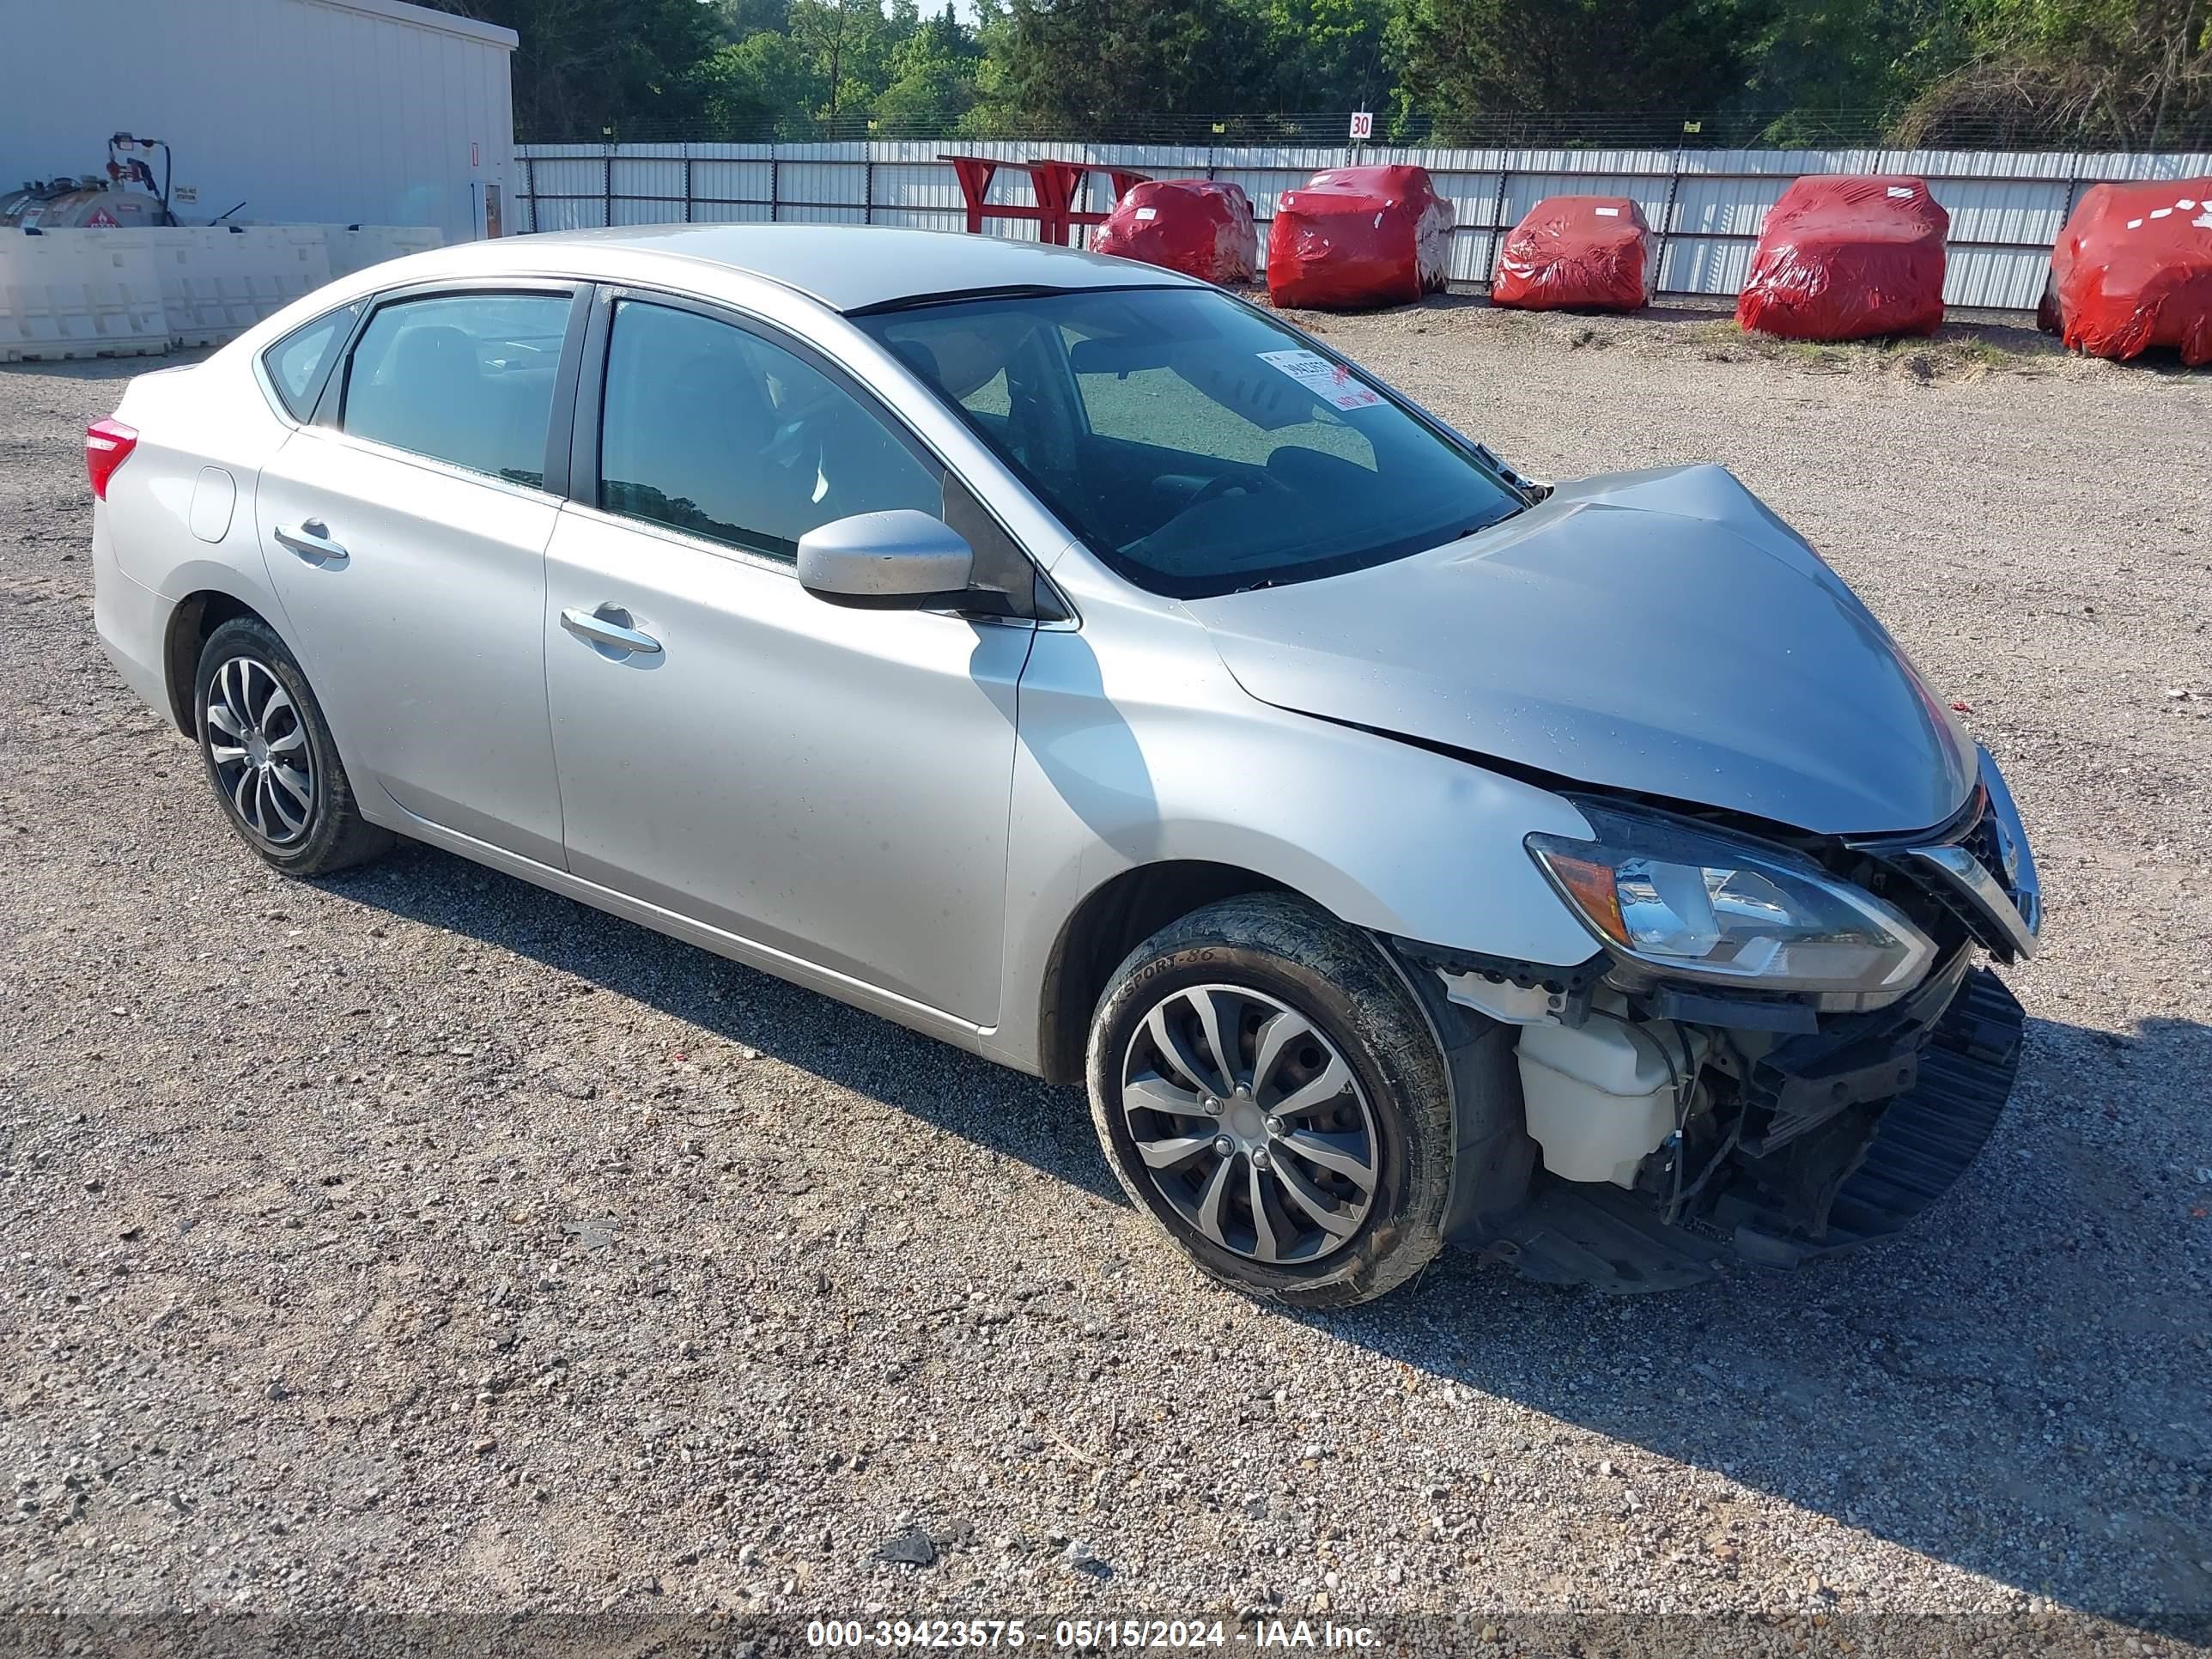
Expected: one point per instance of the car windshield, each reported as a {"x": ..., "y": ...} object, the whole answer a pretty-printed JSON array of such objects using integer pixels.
[{"x": 1197, "y": 444}]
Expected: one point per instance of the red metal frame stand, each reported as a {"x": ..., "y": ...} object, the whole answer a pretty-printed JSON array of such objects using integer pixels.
[{"x": 1054, "y": 182}]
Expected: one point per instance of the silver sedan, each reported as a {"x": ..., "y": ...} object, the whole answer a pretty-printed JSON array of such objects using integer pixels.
[{"x": 1079, "y": 665}]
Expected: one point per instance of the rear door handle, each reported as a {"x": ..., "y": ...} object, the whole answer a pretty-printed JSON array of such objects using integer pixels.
[
  {"x": 600, "y": 629},
  {"x": 311, "y": 539}
]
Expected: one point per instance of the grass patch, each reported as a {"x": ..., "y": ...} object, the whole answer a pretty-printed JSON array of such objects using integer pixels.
[{"x": 1955, "y": 352}]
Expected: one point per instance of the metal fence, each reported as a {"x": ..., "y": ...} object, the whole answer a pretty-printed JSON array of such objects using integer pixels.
[
  {"x": 1705, "y": 207},
  {"x": 2010, "y": 129}
]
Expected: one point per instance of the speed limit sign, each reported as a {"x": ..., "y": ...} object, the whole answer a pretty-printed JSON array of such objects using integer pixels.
[{"x": 1362, "y": 125}]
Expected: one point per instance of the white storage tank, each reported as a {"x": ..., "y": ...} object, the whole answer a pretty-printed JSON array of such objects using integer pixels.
[
  {"x": 1601, "y": 1097},
  {"x": 344, "y": 112}
]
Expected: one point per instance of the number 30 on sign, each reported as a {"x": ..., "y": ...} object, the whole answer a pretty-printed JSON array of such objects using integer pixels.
[{"x": 1362, "y": 125}]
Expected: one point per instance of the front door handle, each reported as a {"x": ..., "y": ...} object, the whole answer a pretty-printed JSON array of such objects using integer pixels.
[
  {"x": 601, "y": 628},
  {"x": 311, "y": 539}
]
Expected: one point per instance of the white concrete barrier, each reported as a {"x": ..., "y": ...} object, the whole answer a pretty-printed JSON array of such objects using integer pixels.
[
  {"x": 138, "y": 292},
  {"x": 356, "y": 247},
  {"x": 80, "y": 293},
  {"x": 218, "y": 280}
]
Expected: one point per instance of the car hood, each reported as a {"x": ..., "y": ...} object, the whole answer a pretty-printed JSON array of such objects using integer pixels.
[{"x": 1662, "y": 632}]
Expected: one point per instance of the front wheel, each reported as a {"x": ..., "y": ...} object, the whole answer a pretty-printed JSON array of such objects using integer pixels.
[{"x": 1266, "y": 1087}]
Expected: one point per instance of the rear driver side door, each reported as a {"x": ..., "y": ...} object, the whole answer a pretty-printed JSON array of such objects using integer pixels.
[{"x": 405, "y": 530}]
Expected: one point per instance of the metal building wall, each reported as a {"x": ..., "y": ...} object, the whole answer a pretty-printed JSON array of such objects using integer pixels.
[
  {"x": 1705, "y": 206},
  {"x": 345, "y": 111}
]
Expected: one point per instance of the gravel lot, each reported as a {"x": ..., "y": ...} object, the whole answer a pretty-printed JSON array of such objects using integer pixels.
[{"x": 419, "y": 1241}]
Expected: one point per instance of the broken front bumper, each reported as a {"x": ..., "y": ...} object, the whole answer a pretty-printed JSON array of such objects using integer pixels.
[{"x": 1598, "y": 1235}]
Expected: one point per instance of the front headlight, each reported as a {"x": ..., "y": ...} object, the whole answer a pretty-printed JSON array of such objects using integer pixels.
[{"x": 1692, "y": 903}]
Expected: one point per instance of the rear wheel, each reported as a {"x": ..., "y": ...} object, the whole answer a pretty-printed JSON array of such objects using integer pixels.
[
  {"x": 270, "y": 757},
  {"x": 1265, "y": 1086}
]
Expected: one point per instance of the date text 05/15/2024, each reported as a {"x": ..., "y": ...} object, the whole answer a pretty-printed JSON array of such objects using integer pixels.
[{"x": 1087, "y": 1635}]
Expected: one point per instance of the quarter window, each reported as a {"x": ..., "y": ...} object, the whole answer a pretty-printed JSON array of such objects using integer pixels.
[
  {"x": 713, "y": 431},
  {"x": 298, "y": 364},
  {"x": 466, "y": 379}
]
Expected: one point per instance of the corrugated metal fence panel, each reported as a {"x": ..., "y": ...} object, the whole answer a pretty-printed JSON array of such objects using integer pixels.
[
  {"x": 565, "y": 184},
  {"x": 1715, "y": 224},
  {"x": 1705, "y": 206},
  {"x": 2194, "y": 164},
  {"x": 823, "y": 184},
  {"x": 646, "y": 184},
  {"x": 915, "y": 189},
  {"x": 733, "y": 184}
]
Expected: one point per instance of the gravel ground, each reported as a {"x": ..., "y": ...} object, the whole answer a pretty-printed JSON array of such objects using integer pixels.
[{"x": 419, "y": 1241}]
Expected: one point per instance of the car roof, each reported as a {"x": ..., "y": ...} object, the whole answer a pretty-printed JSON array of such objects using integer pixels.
[{"x": 848, "y": 268}]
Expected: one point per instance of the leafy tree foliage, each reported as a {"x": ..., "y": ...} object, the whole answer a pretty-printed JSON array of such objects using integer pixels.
[
  {"x": 1463, "y": 59},
  {"x": 2129, "y": 72},
  {"x": 934, "y": 77},
  {"x": 585, "y": 67}
]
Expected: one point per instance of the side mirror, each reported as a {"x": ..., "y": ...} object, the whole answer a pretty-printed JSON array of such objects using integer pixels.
[{"x": 900, "y": 560}]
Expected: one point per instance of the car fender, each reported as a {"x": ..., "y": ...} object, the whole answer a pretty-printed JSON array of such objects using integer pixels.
[
  {"x": 179, "y": 519},
  {"x": 1153, "y": 755}
]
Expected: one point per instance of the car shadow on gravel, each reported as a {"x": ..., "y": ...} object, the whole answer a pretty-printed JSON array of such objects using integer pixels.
[
  {"x": 958, "y": 1092},
  {"x": 2015, "y": 1387}
]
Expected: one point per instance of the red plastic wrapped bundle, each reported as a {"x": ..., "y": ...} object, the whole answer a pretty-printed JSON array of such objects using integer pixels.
[
  {"x": 1197, "y": 226},
  {"x": 1577, "y": 251},
  {"x": 1358, "y": 236},
  {"x": 2133, "y": 269},
  {"x": 1847, "y": 258}
]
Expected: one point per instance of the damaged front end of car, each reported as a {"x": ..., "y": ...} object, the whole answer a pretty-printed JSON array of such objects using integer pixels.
[{"x": 1785, "y": 1046}]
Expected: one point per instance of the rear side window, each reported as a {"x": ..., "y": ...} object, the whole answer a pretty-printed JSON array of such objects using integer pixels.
[
  {"x": 713, "y": 431},
  {"x": 466, "y": 378},
  {"x": 298, "y": 364}
]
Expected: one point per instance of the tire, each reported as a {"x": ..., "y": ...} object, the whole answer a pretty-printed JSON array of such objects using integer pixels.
[
  {"x": 1387, "y": 1134},
  {"x": 280, "y": 783}
]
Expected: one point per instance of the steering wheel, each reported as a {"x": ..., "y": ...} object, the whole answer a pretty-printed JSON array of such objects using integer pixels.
[{"x": 1216, "y": 488}]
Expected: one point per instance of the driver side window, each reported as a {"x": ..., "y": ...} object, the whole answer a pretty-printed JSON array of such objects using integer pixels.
[{"x": 716, "y": 431}]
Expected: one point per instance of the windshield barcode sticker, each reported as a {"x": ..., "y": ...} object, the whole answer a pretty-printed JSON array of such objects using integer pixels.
[{"x": 1330, "y": 382}]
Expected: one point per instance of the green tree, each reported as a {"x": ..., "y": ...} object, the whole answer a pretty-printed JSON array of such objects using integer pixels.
[
  {"x": 1831, "y": 65},
  {"x": 933, "y": 74},
  {"x": 1085, "y": 65},
  {"x": 741, "y": 20},
  {"x": 850, "y": 45},
  {"x": 583, "y": 67},
  {"x": 1461, "y": 60},
  {"x": 763, "y": 86},
  {"x": 1326, "y": 54},
  {"x": 2129, "y": 72}
]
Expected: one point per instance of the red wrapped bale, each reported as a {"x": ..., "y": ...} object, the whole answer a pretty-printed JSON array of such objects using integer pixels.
[
  {"x": 1848, "y": 257},
  {"x": 2133, "y": 270},
  {"x": 1358, "y": 236},
  {"x": 1577, "y": 251},
  {"x": 1198, "y": 227}
]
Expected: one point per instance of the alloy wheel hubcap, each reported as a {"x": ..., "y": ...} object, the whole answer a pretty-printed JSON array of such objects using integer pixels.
[
  {"x": 258, "y": 746},
  {"x": 1250, "y": 1123}
]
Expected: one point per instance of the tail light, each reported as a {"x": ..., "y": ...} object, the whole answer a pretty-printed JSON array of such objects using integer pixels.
[{"x": 107, "y": 445}]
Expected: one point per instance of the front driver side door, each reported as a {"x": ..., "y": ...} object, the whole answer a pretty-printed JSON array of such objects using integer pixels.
[{"x": 830, "y": 785}]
